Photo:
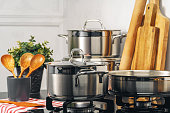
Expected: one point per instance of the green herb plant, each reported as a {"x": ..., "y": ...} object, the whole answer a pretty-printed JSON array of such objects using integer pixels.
[{"x": 31, "y": 47}]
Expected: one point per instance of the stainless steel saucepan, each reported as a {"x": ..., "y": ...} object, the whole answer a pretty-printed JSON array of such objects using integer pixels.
[
  {"x": 140, "y": 82},
  {"x": 70, "y": 79},
  {"x": 98, "y": 42}
]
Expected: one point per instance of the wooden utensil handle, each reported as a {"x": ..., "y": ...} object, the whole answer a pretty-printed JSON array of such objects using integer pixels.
[
  {"x": 21, "y": 74},
  {"x": 129, "y": 46},
  {"x": 28, "y": 74},
  {"x": 14, "y": 74},
  {"x": 155, "y": 2}
]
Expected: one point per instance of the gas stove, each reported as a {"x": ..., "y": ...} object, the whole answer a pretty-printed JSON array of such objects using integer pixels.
[{"x": 117, "y": 105}]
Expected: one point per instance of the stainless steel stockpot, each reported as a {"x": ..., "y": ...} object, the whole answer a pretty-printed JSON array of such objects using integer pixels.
[
  {"x": 95, "y": 42},
  {"x": 140, "y": 82}
]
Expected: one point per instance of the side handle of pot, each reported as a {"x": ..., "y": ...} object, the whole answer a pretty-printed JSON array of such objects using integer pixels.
[
  {"x": 76, "y": 81},
  {"x": 64, "y": 36},
  {"x": 90, "y": 71},
  {"x": 81, "y": 72},
  {"x": 118, "y": 36},
  {"x": 116, "y": 44},
  {"x": 101, "y": 78}
]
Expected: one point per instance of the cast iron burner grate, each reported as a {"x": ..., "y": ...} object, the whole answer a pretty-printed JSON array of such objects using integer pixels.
[
  {"x": 141, "y": 104},
  {"x": 81, "y": 106},
  {"x": 137, "y": 110}
]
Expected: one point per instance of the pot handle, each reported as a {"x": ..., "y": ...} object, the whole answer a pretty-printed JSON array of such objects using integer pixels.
[
  {"x": 99, "y": 21},
  {"x": 77, "y": 81},
  {"x": 64, "y": 36},
  {"x": 81, "y": 73},
  {"x": 88, "y": 71},
  {"x": 77, "y": 50},
  {"x": 118, "y": 36},
  {"x": 84, "y": 70}
]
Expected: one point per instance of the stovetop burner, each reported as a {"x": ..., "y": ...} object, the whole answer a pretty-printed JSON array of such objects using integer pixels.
[
  {"x": 142, "y": 104},
  {"x": 120, "y": 105},
  {"x": 82, "y": 106}
]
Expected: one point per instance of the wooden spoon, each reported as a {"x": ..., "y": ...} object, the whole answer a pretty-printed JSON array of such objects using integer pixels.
[
  {"x": 35, "y": 63},
  {"x": 8, "y": 62},
  {"x": 25, "y": 62},
  {"x": 23, "y": 104}
]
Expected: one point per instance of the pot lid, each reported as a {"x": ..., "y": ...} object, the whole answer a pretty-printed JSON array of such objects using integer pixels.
[
  {"x": 98, "y": 59},
  {"x": 74, "y": 64},
  {"x": 94, "y": 33},
  {"x": 140, "y": 73}
]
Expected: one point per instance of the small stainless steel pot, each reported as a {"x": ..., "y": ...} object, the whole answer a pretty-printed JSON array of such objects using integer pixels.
[
  {"x": 140, "y": 82},
  {"x": 95, "y": 42},
  {"x": 70, "y": 79}
]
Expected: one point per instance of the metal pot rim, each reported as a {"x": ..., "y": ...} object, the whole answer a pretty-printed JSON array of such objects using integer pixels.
[
  {"x": 73, "y": 64},
  {"x": 91, "y": 30},
  {"x": 140, "y": 73}
]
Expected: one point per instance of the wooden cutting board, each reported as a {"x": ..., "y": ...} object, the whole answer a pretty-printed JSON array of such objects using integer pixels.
[
  {"x": 146, "y": 43},
  {"x": 129, "y": 46},
  {"x": 163, "y": 24}
]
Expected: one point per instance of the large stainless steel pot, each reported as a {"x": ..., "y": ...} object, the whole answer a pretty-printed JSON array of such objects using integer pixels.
[
  {"x": 140, "y": 82},
  {"x": 70, "y": 79},
  {"x": 95, "y": 42}
]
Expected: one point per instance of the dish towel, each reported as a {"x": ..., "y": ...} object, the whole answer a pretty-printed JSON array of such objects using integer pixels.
[{"x": 11, "y": 108}]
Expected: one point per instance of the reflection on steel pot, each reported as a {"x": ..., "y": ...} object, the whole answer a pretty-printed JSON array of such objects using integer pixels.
[
  {"x": 67, "y": 80},
  {"x": 111, "y": 63},
  {"x": 72, "y": 79},
  {"x": 140, "y": 82},
  {"x": 95, "y": 42}
]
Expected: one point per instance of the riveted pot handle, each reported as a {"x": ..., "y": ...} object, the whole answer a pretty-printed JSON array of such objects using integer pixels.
[
  {"x": 64, "y": 36},
  {"x": 99, "y": 21}
]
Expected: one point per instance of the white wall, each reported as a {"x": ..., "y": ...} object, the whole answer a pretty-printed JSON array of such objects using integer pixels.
[
  {"x": 45, "y": 20},
  {"x": 115, "y": 14},
  {"x": 9, "y": 36},
  {"x": 19, "y": 19}
]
